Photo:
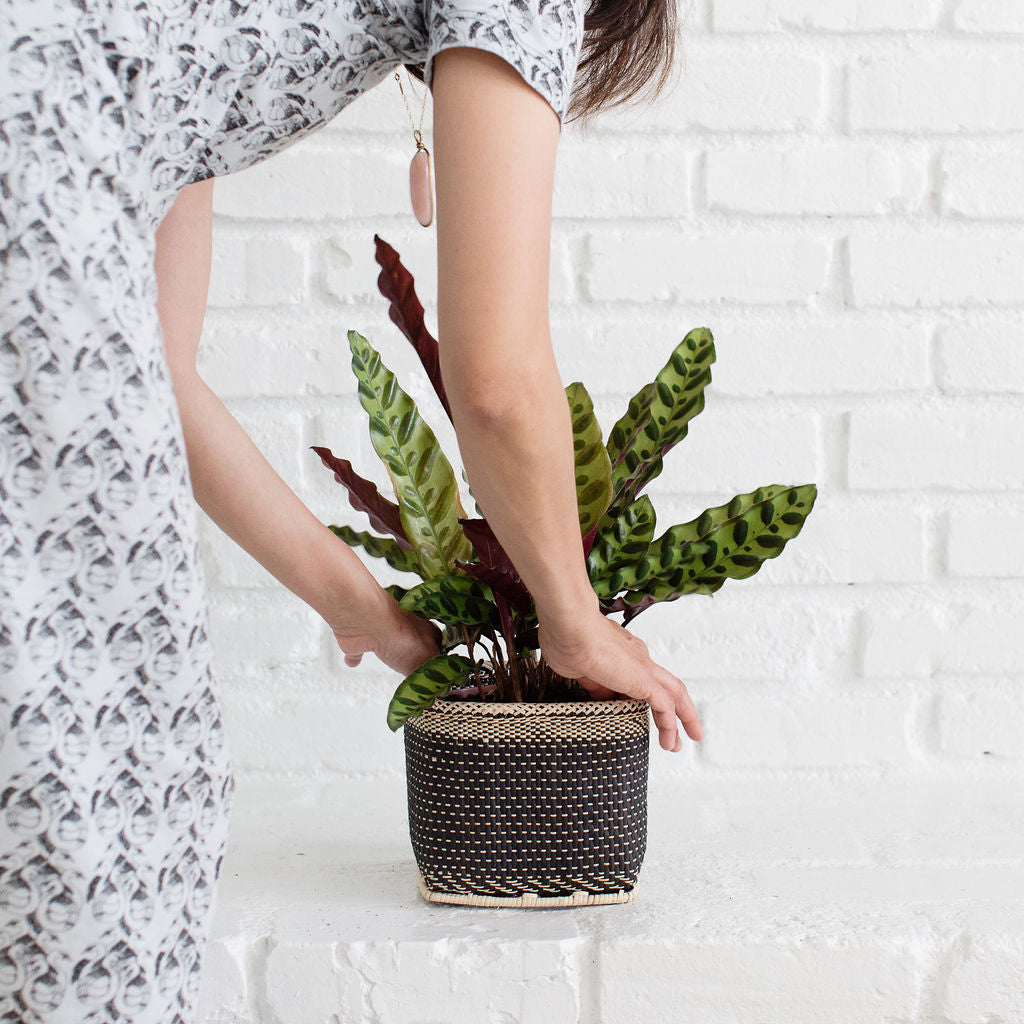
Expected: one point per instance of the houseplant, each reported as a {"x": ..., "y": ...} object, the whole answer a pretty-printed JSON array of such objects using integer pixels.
[{"x": 523, "y": 789}]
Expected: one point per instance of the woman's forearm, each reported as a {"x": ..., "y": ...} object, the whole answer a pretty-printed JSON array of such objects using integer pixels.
[
  {"x": 518, "y": 455},
  {"x": 243, "y": 494}
]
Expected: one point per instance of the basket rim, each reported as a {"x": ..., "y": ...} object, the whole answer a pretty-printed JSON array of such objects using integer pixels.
[{"x": 625, "y": 706}]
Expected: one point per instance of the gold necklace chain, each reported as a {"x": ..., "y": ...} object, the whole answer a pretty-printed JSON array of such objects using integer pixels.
[{"x": 417, "y": 133}]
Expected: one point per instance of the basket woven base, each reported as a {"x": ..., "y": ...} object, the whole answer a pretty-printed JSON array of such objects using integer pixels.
[{"x": 577, "y": 899}]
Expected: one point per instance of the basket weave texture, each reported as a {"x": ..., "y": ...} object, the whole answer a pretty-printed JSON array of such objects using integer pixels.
[{"x": 528, "y": 804}]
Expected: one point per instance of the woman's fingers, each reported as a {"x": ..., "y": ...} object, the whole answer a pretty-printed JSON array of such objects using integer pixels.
[
  {"x": 684, "y": 707},
  {"x": 663, "y": 708}
]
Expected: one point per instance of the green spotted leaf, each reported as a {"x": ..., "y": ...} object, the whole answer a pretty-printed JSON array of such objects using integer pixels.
[
  {"x": 730, "y": 541},
  {"x": 632, "y": 423},
  {"x": 396, "y": 591},
  {"x": 454, "y": 636},
  {"x": 622, "y": 544},
  {"x": 476, "y": 504},
  {"x": 593, "y": 467},
  {"x": 423, "y": 479},
  {"x": 657, "y": 419},
  {"x": 453, "y": 599},
  {"x": 380, "y": 547},
  {"x": 433, "y": 679}
]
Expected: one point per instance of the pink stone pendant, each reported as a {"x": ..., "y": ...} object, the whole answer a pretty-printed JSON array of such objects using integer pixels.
[{"x": 421, "y": 188}]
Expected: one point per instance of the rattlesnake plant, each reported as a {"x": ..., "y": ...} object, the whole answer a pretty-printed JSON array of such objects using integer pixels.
[{"x": 468, "y": 583}]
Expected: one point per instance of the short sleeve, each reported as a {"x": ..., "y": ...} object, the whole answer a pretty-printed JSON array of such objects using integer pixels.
[{"x": 541, "y": 39}]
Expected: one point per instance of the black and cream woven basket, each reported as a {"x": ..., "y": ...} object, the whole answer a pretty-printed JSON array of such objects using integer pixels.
[{"x": 528, "y": 804}]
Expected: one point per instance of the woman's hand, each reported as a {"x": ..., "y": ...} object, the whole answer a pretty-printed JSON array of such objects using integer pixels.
[
  {"x": 379, "y": 625},
  {"x": 607, "y": 659}
]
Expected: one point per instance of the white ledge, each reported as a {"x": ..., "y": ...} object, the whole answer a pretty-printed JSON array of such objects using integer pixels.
[{"x": 758, "y": 902}]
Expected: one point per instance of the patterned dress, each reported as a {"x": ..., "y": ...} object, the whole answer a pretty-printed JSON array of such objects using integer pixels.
[{"x": 115, "y": 771}]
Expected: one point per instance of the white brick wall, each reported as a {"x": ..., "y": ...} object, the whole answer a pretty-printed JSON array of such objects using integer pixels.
[{"x": 835, "y": 188}]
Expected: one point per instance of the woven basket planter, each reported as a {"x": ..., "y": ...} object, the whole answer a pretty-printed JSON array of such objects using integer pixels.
[{"x": 528, "y": 804}]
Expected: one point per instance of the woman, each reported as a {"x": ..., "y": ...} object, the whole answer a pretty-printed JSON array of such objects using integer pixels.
[{"x": 115, "y": 116}]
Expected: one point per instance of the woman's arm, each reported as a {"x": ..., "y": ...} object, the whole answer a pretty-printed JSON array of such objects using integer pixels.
[
  {"x": 495, "y": 140},
  {"x": 239, "y": 489}
]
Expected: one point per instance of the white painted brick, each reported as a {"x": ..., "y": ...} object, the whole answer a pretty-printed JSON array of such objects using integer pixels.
[
  {"x": 961, "y": 91},
  {"x": 852, "y": 885},
  {"x": 325, "y": 732},
  {"x": 985, "y": 982},
  {"x": 956, "y": 450},
  {"x": 825, "y": 179},
  {"x": 349, "y": 270},
  {"x": 562, "y": 275},
  {"x": 731, "y": 451},
  {"x": 644, "y": 266},
  {"x": 984, "y": 185},
  {"x": 226, "y": 563},
  {"x": 985, "y": 357},
  {"x": 316, "y": 179},
  {"x": 982, "y": 640},
  {"x": 988, "y": 16},
  {"x": 253, "y": 631},
  {"x": 695, "y": 637},
  {"x": 946, "y": 638},
  {"x": 754, "y": 359},
  {"x": 830, "y": 357},
  {"x": 222, "y": 996},
  {"x": 937, "y": 270},
  {"x": 859, "y": 551},
  {"x": 727, "y": 982},
  {"x": 900, "y": 643},
  {"x": 730, "y": 89},
  {"x": 615, "y": 179},
  {"x": 782, "y": 731},
  {"x": 273, "y": 355},
  {"x": 303, "y": 985},
  {"x": 227, "y": 269},
  {"x": 280, "y": 436},
  {"x": 976, "y": 724},
  {"x": 1001, "y": 532},
  {"x": 831, "y": 15},
  {"x": 275, "y": 272},
  {"x": 494, "y": 976}
]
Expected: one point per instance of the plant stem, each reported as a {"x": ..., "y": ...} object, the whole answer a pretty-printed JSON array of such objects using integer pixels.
[
  {"x": 501, "y": 673},
  {"x": 469, "y": 640},
  {"x": 513, "y": 662},
  {"x": 532, "y": 679}
]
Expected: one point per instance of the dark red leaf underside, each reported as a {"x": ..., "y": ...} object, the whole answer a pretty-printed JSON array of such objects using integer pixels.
[
  {"x": 396, "y": 284},
  {"x": 363, "y": 496}
]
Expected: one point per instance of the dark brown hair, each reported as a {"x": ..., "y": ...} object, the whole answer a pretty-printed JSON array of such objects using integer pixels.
[{"x": 628, "y": 49}]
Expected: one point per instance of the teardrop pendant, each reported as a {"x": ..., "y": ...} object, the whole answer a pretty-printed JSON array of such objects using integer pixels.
[{"x": 421, "y": 188}]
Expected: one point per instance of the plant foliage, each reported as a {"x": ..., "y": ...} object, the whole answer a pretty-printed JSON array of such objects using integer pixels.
[{"x": 468, "y": 583}]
